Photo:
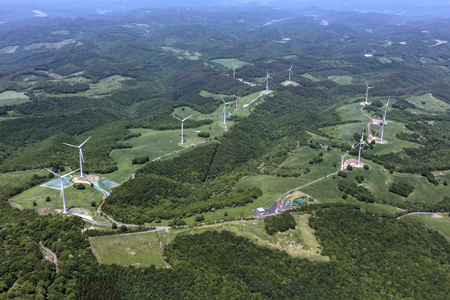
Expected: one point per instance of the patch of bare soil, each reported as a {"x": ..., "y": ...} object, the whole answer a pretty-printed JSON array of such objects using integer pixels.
[{"x": 87, "y": 179}]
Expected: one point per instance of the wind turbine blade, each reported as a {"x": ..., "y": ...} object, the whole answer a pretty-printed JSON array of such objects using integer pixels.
[
  {"x": 366, "y": 84},
  {"x": 177, "y": 118},
  {"x": 85, "y": 141},
  {"x": 186, "y": 118},
  {"x": 223, "y": 100},
  {"x": 69, "y": 173},
  {"x": 52, "y": 172},
  {"x": 82, "y": 157},
  {"x": 70, "y": 145}
]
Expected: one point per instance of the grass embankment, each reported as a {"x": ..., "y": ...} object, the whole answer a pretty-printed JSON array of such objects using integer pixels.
[{"x": 146, "y": 248}]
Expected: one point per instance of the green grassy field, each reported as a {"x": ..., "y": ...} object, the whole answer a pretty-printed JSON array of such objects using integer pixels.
[
  {"x": 377, "y": 180},
  {"x": 384, "y": 60},
  {"x": 310, "y": 77},
  {"x": 61, "y": 32},
  {"x": 145, "y": 249},
  {"x": 154, "y": 144},
  {"x": 80, "y": 199},
  {"x": 245, "y": 111},
  {"x": 432, "y": 105},
  {"x": 441, "y": 224},
  {"x": 11, "y": 97},
  {"x": 55, "y": 45},
  {"x": 7, "y": 49},
  {"x": 342, "y": 80},
  {"x": 228, "y": 62},
  {"x": 184, "y": 53},
  {"x": 215, "y": 96},
  {"x": 14, "y": 179}
]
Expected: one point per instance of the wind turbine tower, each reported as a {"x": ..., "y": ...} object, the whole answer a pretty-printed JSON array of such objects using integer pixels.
[
  {"x": 361, "y": 142},
  {"x": 224, "y": 113},
  {"x": 182, "y": 125},
  {"x": 81, "y": 155},
  {"x": 62, "y": 187},
  {"x": 386, "y": 107},
  {"x": 234, "y": 71},
  {"x": 290, "y": 71},
  {"x": 267, "y": 81},
  {"x": 367, "y": 92}
]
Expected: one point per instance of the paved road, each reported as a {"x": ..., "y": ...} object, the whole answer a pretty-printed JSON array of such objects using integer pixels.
[{"x": 55, "y": 259}]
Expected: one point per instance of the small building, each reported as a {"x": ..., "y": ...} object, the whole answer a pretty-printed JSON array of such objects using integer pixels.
[
  {"x": 300, "y": 202},
  {"x": 260, "y": 210},
  {"x": 288, "y": 203}
]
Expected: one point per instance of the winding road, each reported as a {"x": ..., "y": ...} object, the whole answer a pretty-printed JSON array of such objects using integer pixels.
[{"x": 55, "y": 259}]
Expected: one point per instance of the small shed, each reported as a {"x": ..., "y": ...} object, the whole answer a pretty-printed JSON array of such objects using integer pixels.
[
  {"x": 300, "y": 201},
  {"x": 260, "y": 210}
]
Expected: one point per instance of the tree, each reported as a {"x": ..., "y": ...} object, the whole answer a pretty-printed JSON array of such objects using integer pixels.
[
  {"x": 199, "y": 218},
  {"x": 445, "y": 183},
  {"x": 51, "y": 175},
  {"x": 48, "y": 199},
  {"x": 344, "y": 196},
  {"x": 350, "y": 168},
  {"x": 123, "y": 228},
  {"x": 225, "y": 214},
  {"x": 93, "y": 204},
  {"x": 114, "y": 226},
  {"x": 366, "y": 167},
  {"x": 34, "y": 203}
]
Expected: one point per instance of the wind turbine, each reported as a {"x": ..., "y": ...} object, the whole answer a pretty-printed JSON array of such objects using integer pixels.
[
  {"x": 62, "y": 186},
  {"x": 367, "y": 92},
  {"x": 234, "y": 71},
  {"x": 182, "y": 125},
  {"x": 361, "y": 142},
  {"x": 81, "y": 155},
  {"x": 290, "y": 71},
  {"x": 267, "y": 81},
  {"x": 386, "y": 107},
  {"x": 224, "y": 112}
]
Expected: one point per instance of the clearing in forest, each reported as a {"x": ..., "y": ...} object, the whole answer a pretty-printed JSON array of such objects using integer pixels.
[
  {"x": 342, "y": 80},
  {"x": 428, "y": 103},
  {"x": 11, "y": 97},
  {"x": 144, "y": 249},
  {"x": 441, "y": 224},
  {"x": 228, "y": 62}
]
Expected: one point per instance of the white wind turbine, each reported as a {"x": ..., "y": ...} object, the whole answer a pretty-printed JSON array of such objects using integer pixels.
[
  {"x": 367, "y": 92},
  {"x": 267, "y": 81},
  {"x": 62, "y": 186},
  {"x": 290, "y": 71},
  {"x": 224, "y": 112},
  {"x": 234, "y": 71},
  {"x": 361, "y": 142},
  {"x": 81, "y": 155},
  {"x": 386, "y": 107},
  {"x": 182, "y": 125}
]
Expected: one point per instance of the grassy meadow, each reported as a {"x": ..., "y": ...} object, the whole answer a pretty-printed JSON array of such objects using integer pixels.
[
  {"x": 342, "y": 80},
  {"x": 80, "y": 199},
  {"x": 441, "y": 224},
  {"x": 228, "y": 62},
  {"x": 428, "y": 104},
  {"x": 14, "y": 179},
  {"x": 11, "y": 97},
  {"x": 144, "y": 249}
]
